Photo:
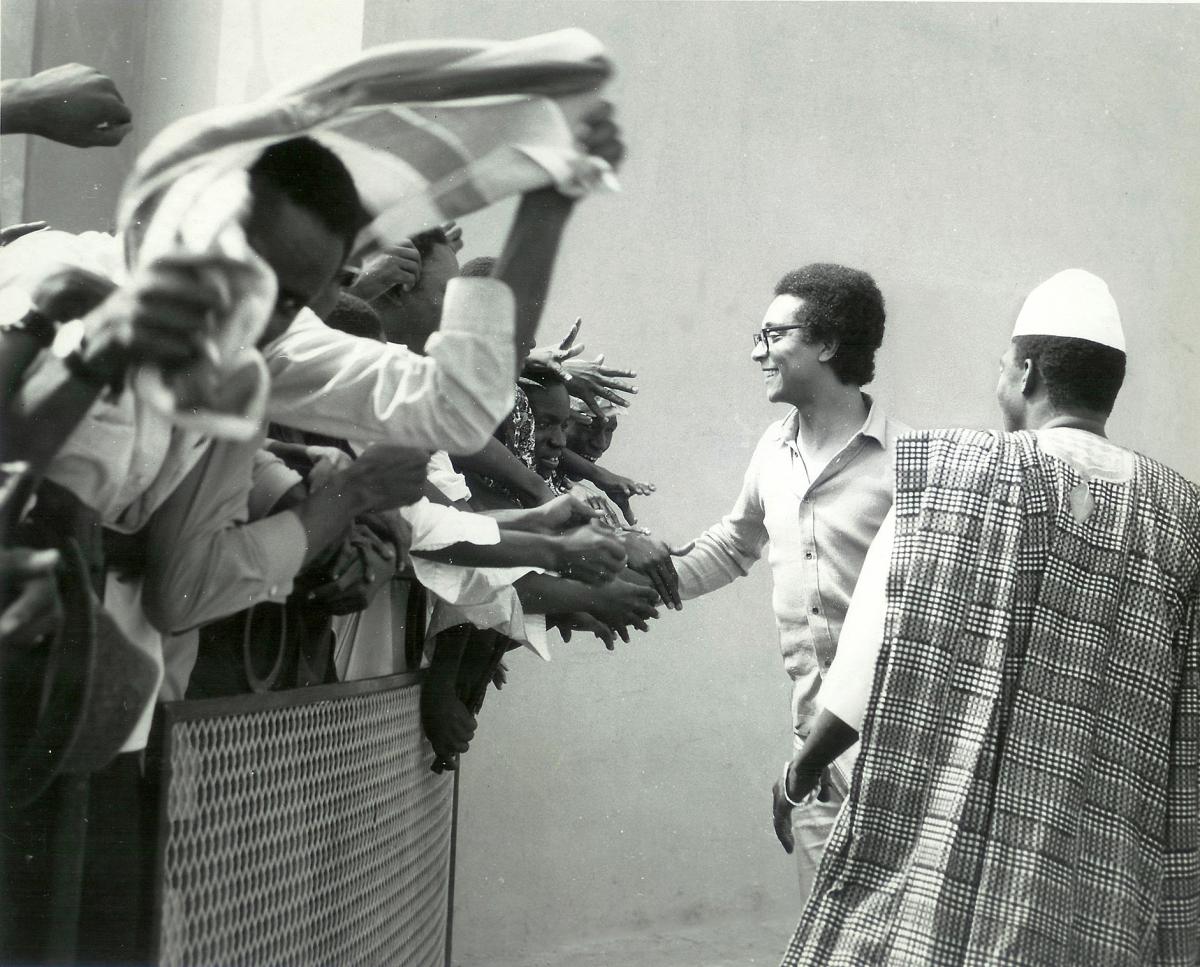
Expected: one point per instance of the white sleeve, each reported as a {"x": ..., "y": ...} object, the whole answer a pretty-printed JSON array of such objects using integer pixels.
[
  {"x": 451, "y": 399},
  {"x": 846, "y": 687}
]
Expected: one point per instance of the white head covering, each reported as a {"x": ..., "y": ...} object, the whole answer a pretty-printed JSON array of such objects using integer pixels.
[{"x": 1072, "y": 303}]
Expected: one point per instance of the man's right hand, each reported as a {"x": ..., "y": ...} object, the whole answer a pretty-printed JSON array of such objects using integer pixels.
[
  {"x": 588, "y": 554},
  {"x": 386, "y": 476},
  {"x": 620, "y": 603}
]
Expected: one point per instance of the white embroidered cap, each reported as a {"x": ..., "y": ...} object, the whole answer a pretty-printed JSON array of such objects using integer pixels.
[{"x": 1072, "y": 303}]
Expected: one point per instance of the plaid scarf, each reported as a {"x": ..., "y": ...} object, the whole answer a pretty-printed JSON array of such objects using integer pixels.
[{"x": 1028, "y": 788}]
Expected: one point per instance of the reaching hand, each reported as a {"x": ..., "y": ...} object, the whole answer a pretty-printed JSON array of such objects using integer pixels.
[
  {"x": 599, "y": 135},
  {"x": 580, "y": 621},
  {"x": 620, "y": 489},
  {"x": 652, "y": 558},
  {"x": 588, "y": 554},
  {"x": 396, "y": 265},
  {"x": 620, "y": 603},
  {"x": 386, "y": 476},
  {"x": 69, "y": 292},
  {"x": 589, "y": 379},
  {"x": 36, "y": 612},
  {"x": 11, "y": 233},
  {"x": 71, "y": 103},
  {"x": 550, "y": 359},
  {"x": 565, "y": 510}
]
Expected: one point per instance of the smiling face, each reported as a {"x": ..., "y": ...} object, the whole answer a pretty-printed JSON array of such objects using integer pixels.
[
  {"x": 551, "y": 408},
  {"x": 790, "y": 365},
  {"x": 304, "y": 255},
  {"x": 592, "y": 440}
]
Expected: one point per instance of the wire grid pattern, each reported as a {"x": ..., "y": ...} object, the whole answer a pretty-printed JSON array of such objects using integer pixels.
[{"x": 309, "y": 835}]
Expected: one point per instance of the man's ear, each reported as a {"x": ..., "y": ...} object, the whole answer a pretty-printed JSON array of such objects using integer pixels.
[
  {"x": 1029, "y": 377},
  {"x": 828, "y": 351}
]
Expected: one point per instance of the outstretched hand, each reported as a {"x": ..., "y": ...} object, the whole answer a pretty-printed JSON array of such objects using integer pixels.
[
  {"x": 652, "y": 558},
  {"x": 619, "y": 489},
  {"x": 592, "y": 381},
  {"x": 71, "y": 104},
  {"x": 10, "y": 233},
  {"x": 563, "y": 511},
  {"x": 589, "y": 554},
  {"x": 580, "y": 621},
  {"x": 550, "y": 359}
]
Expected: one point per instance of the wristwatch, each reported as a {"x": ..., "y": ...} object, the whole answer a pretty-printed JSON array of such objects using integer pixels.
[{"x": 19, "y": 314}]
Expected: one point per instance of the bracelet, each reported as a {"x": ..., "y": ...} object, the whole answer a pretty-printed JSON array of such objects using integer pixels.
[{"x": 807, "y": 800}]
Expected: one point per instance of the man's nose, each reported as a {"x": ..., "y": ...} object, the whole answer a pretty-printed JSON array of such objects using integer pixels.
[{"x": 759, "y": 352}]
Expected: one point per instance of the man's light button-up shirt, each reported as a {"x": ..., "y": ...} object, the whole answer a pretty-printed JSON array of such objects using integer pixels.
[{"x": 816, "y": 534}]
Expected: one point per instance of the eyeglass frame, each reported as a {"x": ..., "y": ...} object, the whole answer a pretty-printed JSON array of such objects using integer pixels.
[{"x": 760, "y": 337}]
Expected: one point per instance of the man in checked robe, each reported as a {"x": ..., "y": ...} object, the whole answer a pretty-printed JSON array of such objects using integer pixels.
[{"x": 1021, "y": 659}]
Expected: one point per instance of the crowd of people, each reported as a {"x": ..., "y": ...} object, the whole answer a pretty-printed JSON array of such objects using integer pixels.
[{"x": 993, "y": 638}]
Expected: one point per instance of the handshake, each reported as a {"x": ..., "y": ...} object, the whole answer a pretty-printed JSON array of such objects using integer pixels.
[{"x": 607, "y": 581}]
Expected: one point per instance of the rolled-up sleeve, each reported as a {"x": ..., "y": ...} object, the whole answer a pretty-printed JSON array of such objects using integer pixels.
[
  {"x": 204, "y": 561},
  {"x": 451, "y": 399},
  {"x": 728, "y": 549}
]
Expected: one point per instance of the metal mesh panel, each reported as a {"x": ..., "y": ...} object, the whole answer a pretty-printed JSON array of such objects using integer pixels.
[{"x": 306, "y": 835}]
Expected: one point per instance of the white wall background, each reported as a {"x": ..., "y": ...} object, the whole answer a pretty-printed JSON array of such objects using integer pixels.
[{"x": 961, "y": 153}]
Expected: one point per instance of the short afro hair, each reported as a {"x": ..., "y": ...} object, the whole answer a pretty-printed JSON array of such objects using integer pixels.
[
  {"x": 308, "y": 174},
  {"x": 1078, "y": 373},
  {"x": 480, "y": 267},
  {"x": 355, "y": 316},
  {"x": 842, "y": 305}
]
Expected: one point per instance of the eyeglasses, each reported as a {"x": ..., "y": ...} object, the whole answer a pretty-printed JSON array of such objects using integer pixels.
[{"x": 763, "y": 336}]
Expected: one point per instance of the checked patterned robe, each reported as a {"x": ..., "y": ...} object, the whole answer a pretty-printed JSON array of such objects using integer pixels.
[{"x": 1028, "y": 786}]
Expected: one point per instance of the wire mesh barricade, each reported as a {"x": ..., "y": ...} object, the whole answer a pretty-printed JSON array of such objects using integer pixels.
[{"x": 304, "y": 827}]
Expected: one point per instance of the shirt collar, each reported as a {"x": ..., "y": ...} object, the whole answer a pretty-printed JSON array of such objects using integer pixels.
[{"x": 874, "y": 426}]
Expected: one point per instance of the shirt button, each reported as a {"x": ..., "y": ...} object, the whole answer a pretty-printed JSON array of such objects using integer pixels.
[
  {"x": 816, "y": 610},
  {"x": 808, "y": 555}
]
